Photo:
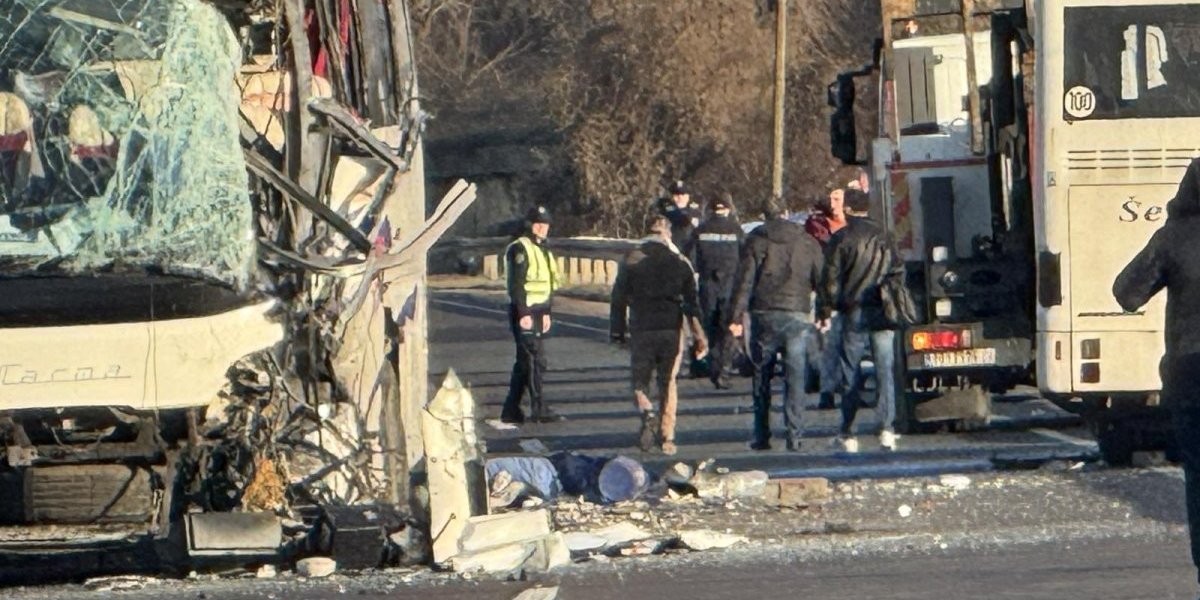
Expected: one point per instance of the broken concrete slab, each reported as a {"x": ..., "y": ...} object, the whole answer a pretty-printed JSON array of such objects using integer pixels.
[
  {"x": 797, "y": 492},
  {"x": 551, "y": 552},
  {"x": 739, "y": 484},
  {"x": 704, "y": 539},
  {"x": 492, "y": 531},
  {"x": 495, "y": 560},
  {"x": 621, "y": 533},
  {"x": 316, "y": 567},
  {"x": 457, "y": 484},
  {"x": 582, "y": 541}
]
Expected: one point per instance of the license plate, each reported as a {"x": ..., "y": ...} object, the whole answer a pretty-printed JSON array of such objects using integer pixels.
[{"x": 961, "y": 358}]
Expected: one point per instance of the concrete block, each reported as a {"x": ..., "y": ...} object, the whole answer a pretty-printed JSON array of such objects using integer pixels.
[
  {"x": 797, "y": 492},
  {"x": 492, "y": 531},
  {"x": 573, "y": 276},
  {"x": 560, "y": 264}
]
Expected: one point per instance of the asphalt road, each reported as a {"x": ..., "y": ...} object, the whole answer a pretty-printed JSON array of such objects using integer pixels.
[
  {"x": 1109, "y": 570},
  {"x": 588, "y": 383}
]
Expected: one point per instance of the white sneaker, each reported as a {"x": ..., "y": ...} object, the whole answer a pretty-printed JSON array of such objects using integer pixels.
[
  {"x": 887, "y": 440},
  {"x": 845, "y": 444}
]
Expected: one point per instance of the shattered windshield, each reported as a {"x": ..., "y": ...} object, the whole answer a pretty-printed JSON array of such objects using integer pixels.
[
  {"x": 119, "y": 140},
  {"x": 1124, "y": 62}
]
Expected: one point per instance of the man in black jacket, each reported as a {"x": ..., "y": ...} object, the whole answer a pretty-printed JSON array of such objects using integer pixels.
[
  {"x": 780, "y": 268},
  {"x": 532, "y": 279},
  {"x": 658, "y": 287},
  {"x": 1171, "y": 259},
  {"x": 859, "y": 256},
  {"x": 716, "y": 245}
]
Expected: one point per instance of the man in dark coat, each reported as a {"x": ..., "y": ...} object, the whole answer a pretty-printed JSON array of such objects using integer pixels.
[
  {"x": 1171, "y": 260},
  {"x": 860, "y": 255},
  {"x": 716, "y": 244},
  {"x": 532, "y": 280},
  {"x": 780, "y": 268},
  {"x": 653, "y": 298}
]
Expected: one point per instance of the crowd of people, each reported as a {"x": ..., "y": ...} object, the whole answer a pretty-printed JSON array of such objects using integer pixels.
[{"x": 798, "y": 293}]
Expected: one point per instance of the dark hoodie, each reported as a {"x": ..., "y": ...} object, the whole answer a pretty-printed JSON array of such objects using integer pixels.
[
  {"x": 780, "y": 268},
  {"x": 1171, "y": 259}
]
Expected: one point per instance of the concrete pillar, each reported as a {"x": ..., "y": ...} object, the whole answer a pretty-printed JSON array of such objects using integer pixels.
[
  {"x": 573, "y": 270},
  {"x": 585, "y": 271},
  {"x": 491, "y": 267},
  {"x": 610, "y": 272},
  {"x": 564, "y": 278}
]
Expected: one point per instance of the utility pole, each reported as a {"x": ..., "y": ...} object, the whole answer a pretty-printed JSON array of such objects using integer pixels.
[{"x": 780, "y": 84}]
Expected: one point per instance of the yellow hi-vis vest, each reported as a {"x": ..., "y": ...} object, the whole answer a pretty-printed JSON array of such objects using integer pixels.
[{"x": 541, "y": 277}]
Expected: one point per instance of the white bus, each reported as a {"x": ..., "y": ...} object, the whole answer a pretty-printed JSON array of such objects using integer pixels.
[{"x": 1042, "y": 156}]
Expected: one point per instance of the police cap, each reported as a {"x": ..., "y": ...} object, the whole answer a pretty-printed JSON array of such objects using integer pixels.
[{"x": 538, "y": 214}]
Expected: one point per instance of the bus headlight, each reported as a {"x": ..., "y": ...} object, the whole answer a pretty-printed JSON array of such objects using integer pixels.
[
  {"x": 943, "y": 307},
  {"x": 949, "y": 279}
]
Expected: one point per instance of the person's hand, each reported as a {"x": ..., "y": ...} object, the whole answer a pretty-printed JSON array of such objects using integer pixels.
[
  {"x": 823, "y": 325},
  {"x": 700, "y": 348},
  {"x": 546, "y": 324},
  {"x": 526, "y": 323},
  {"x": 735, "y": 329}
]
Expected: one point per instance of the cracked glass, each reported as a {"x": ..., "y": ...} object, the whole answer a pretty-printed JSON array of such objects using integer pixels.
[{"x": 119, "y": 140}]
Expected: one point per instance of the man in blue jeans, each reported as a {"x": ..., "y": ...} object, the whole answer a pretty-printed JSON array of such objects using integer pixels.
[
  {"x": 780, "y": 268},
  {"x": 860, "y": 255}
]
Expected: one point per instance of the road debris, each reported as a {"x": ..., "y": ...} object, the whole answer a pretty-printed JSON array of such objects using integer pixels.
[
  {"x": 118, "y": 583},
  {"x": 797, "y": 492},
  {"x": 538, "y": 593},
  {"x": 703, "y": 539},
  {"x": 905, "y": 511},
  {"x": 955, "y": 482},
  {"x": 315, "y": 567},
  {"x": 621, "y": 479}
]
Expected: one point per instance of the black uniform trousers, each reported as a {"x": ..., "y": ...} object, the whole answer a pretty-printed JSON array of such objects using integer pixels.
[
  {"x": 716, "y": 306},
  {"x": 527, "y": 372},
  {"x": 1181, "y": 394}
]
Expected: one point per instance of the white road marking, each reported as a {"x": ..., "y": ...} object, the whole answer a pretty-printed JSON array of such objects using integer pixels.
[
  {"x": 555, "y": 322},
  {"x": 1062, "y": 437}
]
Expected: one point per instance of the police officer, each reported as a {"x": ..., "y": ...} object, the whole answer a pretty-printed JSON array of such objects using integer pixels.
[
  {"x": 657, "y": 288},
  {"x": 683, "y": 214},
  {"x": 532, "y": 279},
  {"x": 716, "y": 243}
]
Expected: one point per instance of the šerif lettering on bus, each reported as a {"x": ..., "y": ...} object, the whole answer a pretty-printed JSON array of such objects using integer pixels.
[{"x": 1133, "y": 210}]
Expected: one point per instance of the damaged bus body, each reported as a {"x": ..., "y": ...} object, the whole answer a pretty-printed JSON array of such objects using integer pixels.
[
  {"x": 211, "y": 270},
  {"x": 1026, "y": 151}
]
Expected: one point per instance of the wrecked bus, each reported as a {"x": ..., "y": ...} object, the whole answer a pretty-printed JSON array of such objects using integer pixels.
[{"x": 201, "y": 306}]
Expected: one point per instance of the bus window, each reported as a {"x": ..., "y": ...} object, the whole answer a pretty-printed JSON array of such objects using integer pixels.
[{"x": 1131, "y": 62}]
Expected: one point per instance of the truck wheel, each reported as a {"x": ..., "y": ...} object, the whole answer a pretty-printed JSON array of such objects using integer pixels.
[{"x": 1116, "y": 442}]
